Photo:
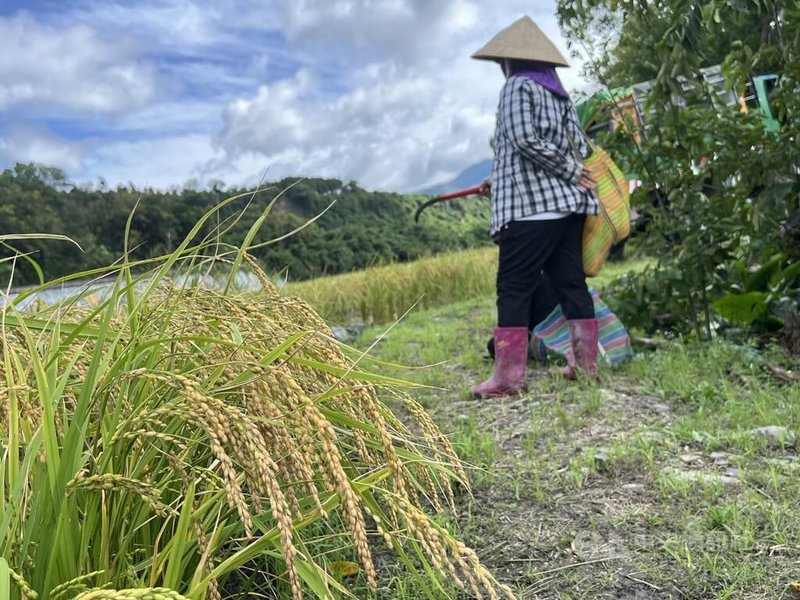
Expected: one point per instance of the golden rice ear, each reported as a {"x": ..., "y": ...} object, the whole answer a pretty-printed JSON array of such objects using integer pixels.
[
  {"x": 252, "y": 382},
  {"x": 195, "y": 431}
]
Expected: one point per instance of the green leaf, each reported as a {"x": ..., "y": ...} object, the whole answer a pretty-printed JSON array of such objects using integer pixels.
[
  {"x": 38, "y": 236},
  {"x": 5, "y": 580},
  {"x": 344, "y": 568},
  {"x": 742, "y": 308},
  {"x": 759, "y": 280},
  {"x": 786, "y": 278},
  {"x": 318, "y": 581},
  {"x": 26, "y": 257},
  {"x": 776, "y": 193},
  {"x": 175, "y": 565}
]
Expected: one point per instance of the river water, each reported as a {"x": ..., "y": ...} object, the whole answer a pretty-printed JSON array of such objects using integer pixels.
[{"x": 96, "y": 291}]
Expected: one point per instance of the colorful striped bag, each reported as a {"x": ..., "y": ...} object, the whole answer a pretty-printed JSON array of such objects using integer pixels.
[
  {"x": 552, "y": 335},
  {"x": 613, "y": 223}
]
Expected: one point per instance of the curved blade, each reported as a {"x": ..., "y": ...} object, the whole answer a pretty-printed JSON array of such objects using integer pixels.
[
  {"x": 459, "y": 194},
  {"x": 425, "y": 205}
]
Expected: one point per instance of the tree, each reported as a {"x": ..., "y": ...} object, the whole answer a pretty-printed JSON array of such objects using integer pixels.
[
  {"x": 360, "y": 229},
  {"x": 728, "y": 190}
]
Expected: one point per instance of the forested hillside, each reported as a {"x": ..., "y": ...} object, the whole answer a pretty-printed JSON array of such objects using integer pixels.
[{"x": 361, "y": 228}]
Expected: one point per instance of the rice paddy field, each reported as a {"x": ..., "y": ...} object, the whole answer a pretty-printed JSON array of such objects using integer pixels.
[{"x": 384, "y": 294}]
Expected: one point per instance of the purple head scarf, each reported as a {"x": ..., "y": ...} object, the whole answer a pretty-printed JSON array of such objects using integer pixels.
[{"x": 542, "y": 73}]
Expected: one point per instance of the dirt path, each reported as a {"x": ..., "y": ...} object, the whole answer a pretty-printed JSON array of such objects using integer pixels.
[{"x": 583, "y": 491}]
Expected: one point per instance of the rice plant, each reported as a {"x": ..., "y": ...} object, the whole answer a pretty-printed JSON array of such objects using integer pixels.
[
  {"x": 383, "y": 294},
  {"x": 158, "y": 442}
]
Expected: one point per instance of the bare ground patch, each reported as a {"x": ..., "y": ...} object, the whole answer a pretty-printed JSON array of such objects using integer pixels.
[{"x": 584, "y": 491}]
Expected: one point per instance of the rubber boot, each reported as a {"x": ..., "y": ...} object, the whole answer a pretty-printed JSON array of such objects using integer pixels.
[
  {"x": 539, "y": 353},
  {"x": 583, "y": 335},
  {"x": 511, "y": 354}
]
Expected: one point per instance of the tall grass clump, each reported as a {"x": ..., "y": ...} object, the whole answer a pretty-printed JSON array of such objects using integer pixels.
[
  {"x": 167, "y": 440},
  {"x": 382, "y": 294}
]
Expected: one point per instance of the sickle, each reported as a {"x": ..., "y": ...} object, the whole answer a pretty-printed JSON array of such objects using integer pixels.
[{"x": 459, "y": 194}]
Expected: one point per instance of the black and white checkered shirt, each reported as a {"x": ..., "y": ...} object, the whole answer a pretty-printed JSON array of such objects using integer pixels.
[{"x": 535, "y": 169}]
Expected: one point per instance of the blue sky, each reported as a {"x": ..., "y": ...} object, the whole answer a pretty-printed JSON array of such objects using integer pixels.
[{"x": 170, "y": 93}]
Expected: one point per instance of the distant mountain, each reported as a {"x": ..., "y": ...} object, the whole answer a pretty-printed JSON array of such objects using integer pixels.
[{"x": 469, "y": 177}]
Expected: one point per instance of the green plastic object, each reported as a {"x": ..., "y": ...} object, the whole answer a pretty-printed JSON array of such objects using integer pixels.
[
  {"x": 763, "y": 85},
  {"x": 597, "y": 101}
]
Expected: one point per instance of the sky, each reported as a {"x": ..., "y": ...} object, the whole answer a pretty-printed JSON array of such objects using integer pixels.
[{"x": 189, "y": 93}]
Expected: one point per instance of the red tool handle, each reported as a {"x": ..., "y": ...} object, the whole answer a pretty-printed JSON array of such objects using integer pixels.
[{"x": 459, "y": 194}]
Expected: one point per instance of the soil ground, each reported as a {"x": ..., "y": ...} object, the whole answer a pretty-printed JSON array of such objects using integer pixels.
[{"x": 651, "y": 483}]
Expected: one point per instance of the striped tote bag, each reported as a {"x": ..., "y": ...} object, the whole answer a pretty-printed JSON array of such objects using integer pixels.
[
  {"x": 551, "y": 336},
  {"x": 613, "y": 223}
]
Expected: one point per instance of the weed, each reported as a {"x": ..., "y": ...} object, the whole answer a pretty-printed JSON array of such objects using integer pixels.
[{"x": 475, "y": 445}]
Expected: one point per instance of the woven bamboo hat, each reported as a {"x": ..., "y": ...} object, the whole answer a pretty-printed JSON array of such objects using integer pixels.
[{"x": 522, "y": 40}]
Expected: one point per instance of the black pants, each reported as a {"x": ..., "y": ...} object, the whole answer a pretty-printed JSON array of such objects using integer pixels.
[
  {"x": 544, "y": 300},
  {"x": 527, "y": 250},
  {"x": 542, "y": 304}
]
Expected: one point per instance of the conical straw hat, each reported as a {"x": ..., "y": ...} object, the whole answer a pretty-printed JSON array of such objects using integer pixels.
[{"x": 522, "y": 40}]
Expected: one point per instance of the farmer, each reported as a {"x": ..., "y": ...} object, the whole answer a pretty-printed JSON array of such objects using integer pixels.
[{"x": 540, "y": 196}]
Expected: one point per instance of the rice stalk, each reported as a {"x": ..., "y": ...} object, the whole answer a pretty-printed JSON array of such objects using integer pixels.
[
  {"x": 382, "y": 294},
  {"x": 166, "y": 436},
  {"x": 132, "y": 594}
]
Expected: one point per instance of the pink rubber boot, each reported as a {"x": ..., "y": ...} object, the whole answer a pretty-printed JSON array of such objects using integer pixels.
[
  {"x": 511, "y": 354},
  {"x": 584, "y": 348}
]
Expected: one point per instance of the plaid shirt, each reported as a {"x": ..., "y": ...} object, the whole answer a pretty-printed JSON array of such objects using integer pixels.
[{"x": 535, "y": 169}]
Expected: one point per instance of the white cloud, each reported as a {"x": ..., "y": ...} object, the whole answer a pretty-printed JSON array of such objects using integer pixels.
[
  {"x": 71, "y": 68},
  {"x": 157, "y": 162},
  {"x": 381, "y": 91},
  {"x": 32, "y": 143},
  {"x": 169, "y": 118},
  {"x": 183, "y": 24},
  {"x": 395, "y": 131},
  {"x": 393, "y": 28},
  {"x": 406, "y": 119}
]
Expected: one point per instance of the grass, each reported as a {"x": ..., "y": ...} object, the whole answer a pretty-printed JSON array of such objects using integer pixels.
[
  {"x": 444, "y": 340},
  {"x": 649, "y": 483},
  {"x": 167, "y": 442}
]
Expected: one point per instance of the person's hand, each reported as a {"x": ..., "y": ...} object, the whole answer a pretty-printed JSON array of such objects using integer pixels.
[
  {"x": 586, "y": 181},
  {"x": 485, "y": 188}
]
